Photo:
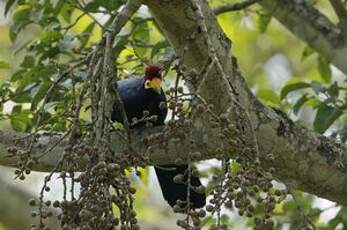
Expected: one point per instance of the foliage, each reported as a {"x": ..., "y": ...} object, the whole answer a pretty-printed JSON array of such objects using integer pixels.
[{"x": 49, "y": 87}]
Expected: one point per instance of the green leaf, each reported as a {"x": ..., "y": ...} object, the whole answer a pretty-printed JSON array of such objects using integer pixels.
[
  {"x": 22, "y": 97},
  {"x": 110, "y": 5},
  {"x": 92, "y": 6},
  {"x": 18, "y": 75},
  {"x": 120, "y": 43},
  {"x": 27, "y": 79},
  {"x": 333, "y": 90},
  {"x": 313, "y": 102},
  {"x": 333, "y": 223},
  {"x": 269, "y": 96},
  {"x": 324, "y": 69},
  {"x": 44, "y": 117},
  {"x": 158, "y": 46},
  {"x": 50, "y": 53},
  {"x": 86, "y": 34},
  {"x": 22, "y": 14},
  {"x": 43, "y": 72},
  {"x": 66, "y": 12},
  {"x": 4, "y": 65},
  {"x": 16, "y": 109},
  {"x": 58, "y": 7},
  {"x": 224, "y": 219},
  {"x": 28, "y": 62},
  {"x": 39, "y": 95},
  {"x": 141, "y": 37},
  {"x": 263, "y": 22},
  {"x": 293, "y": 87},
  {"x": 289, "y": 206},
  {"x": 12, "y": 34},
  {"x": 308, "y": 51},
  {"x": 208, "y": 221},
  {"x": 21, "y": 18},
  {"x": 50, "y": 36},
  {"x": 20, "y": 121},
  {"x": 144, "y": 175},
  {"x": 19, "y": 118},
  {"x": 325, "y": 117},
  {"x": 302, "y": 100},
  {"x": 8, "y": 5},
  {"x": 235, "y": 167}
]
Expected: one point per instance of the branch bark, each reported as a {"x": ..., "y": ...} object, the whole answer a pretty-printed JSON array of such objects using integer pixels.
[
  {"x": 306, "y": 160},
  {"x": 307, "y": 23},
  {"x": 340, "y": 10},
  {"x": 309, "y": 161}
]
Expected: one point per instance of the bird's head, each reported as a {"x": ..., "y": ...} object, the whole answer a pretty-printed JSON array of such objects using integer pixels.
[{"x": 153, "y": 77}]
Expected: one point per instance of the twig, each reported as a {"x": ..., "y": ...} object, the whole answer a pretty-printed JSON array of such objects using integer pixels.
[
  {"x": 67, "y": 28},
  {"x": 233, "y": 7},
  {"x": 85, "y": 12},
  {"x": 124, "y": 16},
  {"x": 61, "y": 76},
  {"x": 54, "y": 145},
  {"x": 306, "y": 218}
]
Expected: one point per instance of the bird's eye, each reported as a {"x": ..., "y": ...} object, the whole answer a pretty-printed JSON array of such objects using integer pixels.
[{"x": 147, "y": 86}]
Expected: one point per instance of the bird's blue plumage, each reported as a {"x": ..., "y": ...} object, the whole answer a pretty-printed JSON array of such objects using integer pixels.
[{"x": 136, "y": 100}]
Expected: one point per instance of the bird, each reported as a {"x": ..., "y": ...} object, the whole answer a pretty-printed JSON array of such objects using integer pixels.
[{"x": 145, "y": 94}]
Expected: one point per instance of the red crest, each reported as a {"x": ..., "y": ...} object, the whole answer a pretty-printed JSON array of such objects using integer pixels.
[{"x": 153, "y": 71}]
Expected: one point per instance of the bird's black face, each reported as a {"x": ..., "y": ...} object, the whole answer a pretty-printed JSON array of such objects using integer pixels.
[{"x": 153, "y": 78}]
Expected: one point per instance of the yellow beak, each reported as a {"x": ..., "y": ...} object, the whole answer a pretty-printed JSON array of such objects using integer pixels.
[{"x": 154, "y": 84}]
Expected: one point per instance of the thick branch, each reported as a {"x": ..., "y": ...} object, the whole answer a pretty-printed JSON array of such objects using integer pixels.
[
  {"x": 309, "y": 161},
  {"x": 204, "y": 138},
  {"x": 340, "y": 10},
  {"x": 307, "y": 23},
  {"x": 306, "y": 160}
]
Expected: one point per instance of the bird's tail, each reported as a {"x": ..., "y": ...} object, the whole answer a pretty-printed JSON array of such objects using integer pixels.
[{"x": 178, "y": 191}]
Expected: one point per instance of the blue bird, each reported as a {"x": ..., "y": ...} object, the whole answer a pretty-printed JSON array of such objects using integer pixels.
[{"x": 145, "y": 94}]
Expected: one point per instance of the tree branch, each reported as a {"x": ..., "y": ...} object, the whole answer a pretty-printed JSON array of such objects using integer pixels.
[
  {"x": 308, "y": 161},
  {"x": 234, "y": 7},
  {"x": 340, "y": 10},
  {"x": 124, "y": 16},
  {"x": 307, "y": 23}
]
